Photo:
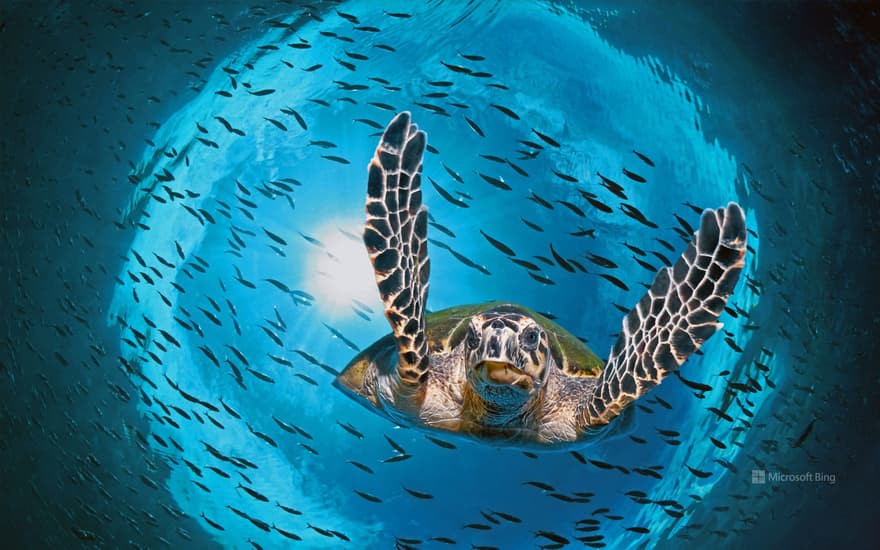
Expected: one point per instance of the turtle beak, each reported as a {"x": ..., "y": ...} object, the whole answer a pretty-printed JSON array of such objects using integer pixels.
[
  {"x": 494, "y": 364},
  {"x": 503, "y": 373}
]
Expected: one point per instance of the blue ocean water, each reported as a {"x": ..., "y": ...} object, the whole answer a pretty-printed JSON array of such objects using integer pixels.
[{"x": 185, "y": 272}]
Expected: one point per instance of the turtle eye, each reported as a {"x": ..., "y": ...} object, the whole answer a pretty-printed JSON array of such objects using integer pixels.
[
  {"x": 473, "y": 339},
  {"x": 530, "y": 337}
]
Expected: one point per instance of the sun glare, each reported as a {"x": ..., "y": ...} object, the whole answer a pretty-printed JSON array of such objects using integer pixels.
[{"x": 341, "y": 270}]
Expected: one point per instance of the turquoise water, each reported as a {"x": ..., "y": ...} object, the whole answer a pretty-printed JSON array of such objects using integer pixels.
[{"x": 204, "y": 287}]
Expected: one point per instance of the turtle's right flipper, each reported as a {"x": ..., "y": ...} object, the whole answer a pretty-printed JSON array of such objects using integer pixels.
[
  {"x": 396, "y": 240},
  {"x": 676, "y": 316}
]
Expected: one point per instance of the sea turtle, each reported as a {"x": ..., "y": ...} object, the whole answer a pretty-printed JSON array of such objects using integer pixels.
[{"x": 499, "y": 370}]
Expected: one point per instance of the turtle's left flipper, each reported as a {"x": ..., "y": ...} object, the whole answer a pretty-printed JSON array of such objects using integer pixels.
[
  {"x": 676, "y": 316},
  {"x": 396, "y": 240}
]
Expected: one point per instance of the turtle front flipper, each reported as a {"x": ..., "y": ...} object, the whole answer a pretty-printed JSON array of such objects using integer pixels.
[
  {"x": 675, "y": 317},
  {"x": 396, "y": 240}
]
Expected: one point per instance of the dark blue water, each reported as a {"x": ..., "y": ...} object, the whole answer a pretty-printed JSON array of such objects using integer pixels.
[{"x": 182, "y": 256}]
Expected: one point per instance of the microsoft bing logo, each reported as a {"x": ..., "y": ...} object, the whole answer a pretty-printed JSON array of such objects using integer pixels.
[{"x": 761, "y": 477}]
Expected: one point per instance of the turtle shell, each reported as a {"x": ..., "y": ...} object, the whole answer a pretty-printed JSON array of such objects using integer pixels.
[{"x": 446, "y": 328}]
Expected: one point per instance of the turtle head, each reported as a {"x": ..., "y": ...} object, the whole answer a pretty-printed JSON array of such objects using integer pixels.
[{"x": 506, "y": 357}]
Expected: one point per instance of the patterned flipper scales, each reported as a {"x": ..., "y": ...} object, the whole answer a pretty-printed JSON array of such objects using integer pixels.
[
  {"x": 676, "y": 316},
  {"x": 396, "y": 239}
]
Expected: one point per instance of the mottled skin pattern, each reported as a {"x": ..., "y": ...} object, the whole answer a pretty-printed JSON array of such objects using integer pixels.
[
  {"x": 396, "y": 239},
  {"x": 677, "y": 314},
  {"x": 500, "y": 371}
]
